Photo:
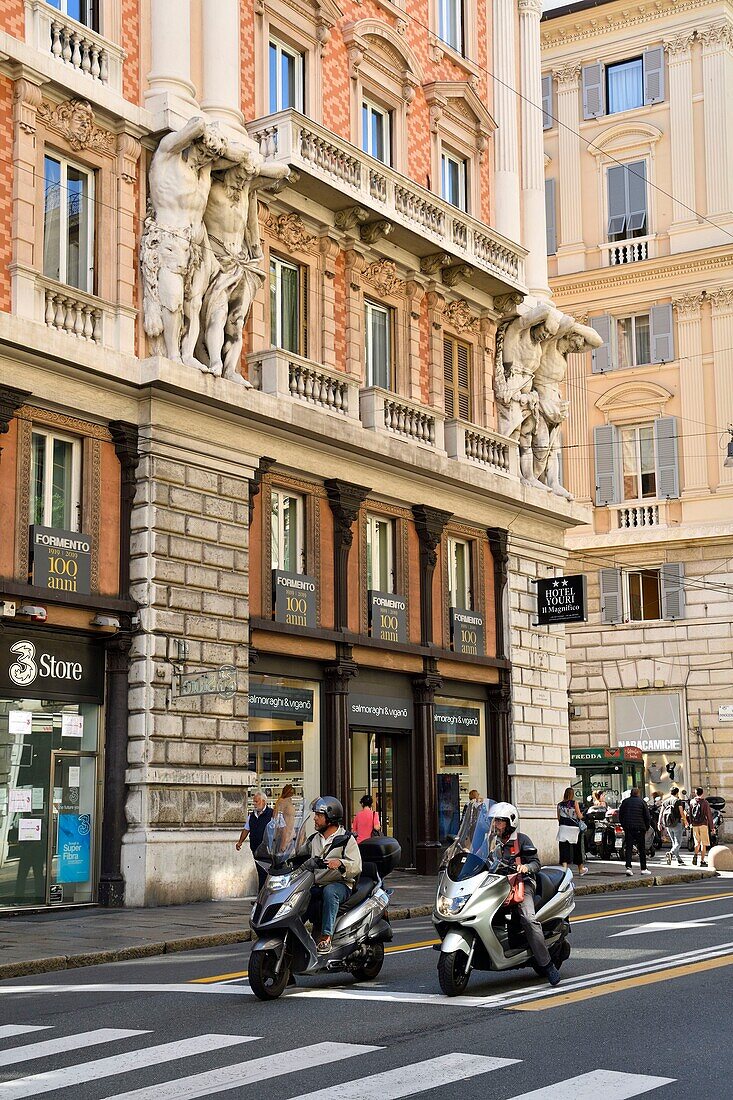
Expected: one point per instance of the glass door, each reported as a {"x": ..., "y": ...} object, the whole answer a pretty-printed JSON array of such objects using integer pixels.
[
  {"x": 72, "y": 835},
  {"x": 382, "y": 780}
]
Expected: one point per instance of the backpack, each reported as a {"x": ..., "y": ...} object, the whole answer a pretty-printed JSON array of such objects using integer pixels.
[
  {"x": 674, "y": 817},
  {"x": 697, "y": 812}
]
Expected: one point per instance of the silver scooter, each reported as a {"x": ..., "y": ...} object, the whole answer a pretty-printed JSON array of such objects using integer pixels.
[
  {"x": 477, "y": 930},
  {"x": 284, "y": 945}
]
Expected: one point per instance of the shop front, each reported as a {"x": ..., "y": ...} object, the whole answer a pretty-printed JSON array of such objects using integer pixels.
[
  {"x": 611, "y": 771},
  {"x": 651, "y": 722},
  {"x": 283, "y": 739},
  {"x": 460, "y": 754},
  {"x": 51, "y": 694}
]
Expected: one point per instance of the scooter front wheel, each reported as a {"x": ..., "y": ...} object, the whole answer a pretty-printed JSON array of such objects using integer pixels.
[
  {"x": 266, "y": 983},
  {"x": 371, "y": 968},
  {"x": 453, "y": 973}
]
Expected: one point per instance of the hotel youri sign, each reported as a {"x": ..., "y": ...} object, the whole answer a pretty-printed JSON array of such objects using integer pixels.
[
  {"x": 62, "y": 560},
  {"x": 388, "y": 616},
  {"x": 561, "y": 600},
  {"x": 467, "y": 632},
  {"x": 294, "y": 598}
]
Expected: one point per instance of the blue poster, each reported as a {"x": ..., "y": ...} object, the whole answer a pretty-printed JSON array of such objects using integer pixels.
[{"x": 74, "y": 848}]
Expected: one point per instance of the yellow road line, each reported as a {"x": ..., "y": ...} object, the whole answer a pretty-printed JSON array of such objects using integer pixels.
[
  {"x": 243, "y": 973},
  {"x": 652, "y": 905},
  {"x": 409, "y": 946},
  {"x": 625, "y": 983}
]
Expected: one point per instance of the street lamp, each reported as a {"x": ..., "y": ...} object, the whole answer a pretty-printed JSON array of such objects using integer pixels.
[{"x": 729, "y": 456}]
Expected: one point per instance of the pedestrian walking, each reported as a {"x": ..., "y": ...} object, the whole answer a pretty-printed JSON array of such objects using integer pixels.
[
  {"x": 366, "y": 822},
  {"x": 570, "y": 831},
  {"x": 634, "y": 819},
  {"x": 254, "y": 828},
  {"x": 672, "y": 817},
  {"x": 701, "y": 819}
]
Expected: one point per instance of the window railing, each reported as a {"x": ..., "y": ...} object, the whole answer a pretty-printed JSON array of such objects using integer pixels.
[
  {"x": 631, "y": 251},
  {"x": 482, "y": 447},
  {"x": 635, "y": 517},
  {"x": 286, "y": 375},
  {"x": 74, "y": 45}
]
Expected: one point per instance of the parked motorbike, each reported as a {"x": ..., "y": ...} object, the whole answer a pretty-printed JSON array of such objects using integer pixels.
[
  {"x": 477, "y": 930},
  {"x": 284, "y": 945},
  {"x": 600, "y": 836}
]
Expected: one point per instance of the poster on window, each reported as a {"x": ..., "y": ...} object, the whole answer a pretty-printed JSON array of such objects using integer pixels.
[{"x": 74, "y": 847}]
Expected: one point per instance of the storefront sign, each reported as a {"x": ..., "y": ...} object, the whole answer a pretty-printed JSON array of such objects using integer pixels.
[
  {"x": 216, "y": 681},
  {"x": 294, "y": 597},
  {"x": 561, "y": 600},
  {"x": 266, "y": 701},
  {"x": 606, "y": 756},
  {"x": 725, "y": 713},
  {"x": 62, "y": 560},
  {"x": 74, "y": 847},
  {"x": 380, "y": 712},
  {"x": 40, "y": 664},
  {"x": 467, "y": 632},
  {"x": 456, "y": 721},
  {"x": 388, "y": 616},
  {"x": 651, "y": 744}
]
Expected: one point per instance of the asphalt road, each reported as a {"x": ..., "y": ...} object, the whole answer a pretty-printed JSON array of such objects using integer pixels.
[{"x": 644, "y": 1008}]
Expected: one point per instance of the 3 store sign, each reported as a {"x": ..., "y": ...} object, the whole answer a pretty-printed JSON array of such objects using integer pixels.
[
  {"x": 50, "y": 666},
  {"x": 25, "y": 669}
]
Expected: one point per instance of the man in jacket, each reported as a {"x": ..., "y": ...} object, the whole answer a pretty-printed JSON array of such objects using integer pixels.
[
  {"x": 335, "y": 858},
  {"x": 254, "y": 828},
  {"x": 634, "y": 819},
  {"x": 701, "y": 818}
]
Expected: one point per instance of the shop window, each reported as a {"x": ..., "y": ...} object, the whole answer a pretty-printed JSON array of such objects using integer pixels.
[
  {"x": 458, "y": 378},
  {"x": 652, "y": 721},
  {"x": 55, "y": 481},
  {"x": 380, "y": 554},
  {"x": 287, "y": 531},
  {"x": 288, "y": 306},
  {"x": 454, "y": 179},
  {"x": 378, "y": 324},
  {"x": 68, "y": 223},
  {"x": 459, "y": 574},
  {"x": 282, "y": 742},
  {"x": 376, "y": 132},
  {"x": 84, "y": 11},
  {"x": 286, "y": 77},
  {"x": 460, "y": 757},
  {"x": 450, "y": 24}
]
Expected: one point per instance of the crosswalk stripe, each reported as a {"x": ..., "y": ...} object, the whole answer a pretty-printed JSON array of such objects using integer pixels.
[
  {"x": 246, "y": 1073},
  {"x": 410, "y": 1080},
  {"x": 602, "y": 1082},
  {"x": 9, "y": 1031},
  {"x": 39, "y": 1083},
  {"x": 64, "y": 1043}
]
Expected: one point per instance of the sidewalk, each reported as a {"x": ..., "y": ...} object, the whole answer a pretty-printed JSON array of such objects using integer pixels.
[{"x": 38, "y": 943}]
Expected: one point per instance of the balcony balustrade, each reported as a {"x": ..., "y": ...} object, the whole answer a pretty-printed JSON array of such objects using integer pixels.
[
  {"x": 628, "y": 252},
  {"x": 286, "y": 375},
  {"x": 482, "y": 447},
  {"x": 73, "y": 44},
  {"x": 70, "y": 311},
  {"x": 383, "y": 411},
  {"x": 633, "y": 517}
]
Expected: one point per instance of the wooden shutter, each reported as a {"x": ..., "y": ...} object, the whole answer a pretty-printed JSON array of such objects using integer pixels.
[
  {"x": 303, "y": 292},
  {"x": 448, "y": 358},
  {"x": 665, "y": 451},
  {"x": 617, "y": 208},
  {"x": 547, "y": 119},
  {"x": 673, "y": 592},
  {"x": 636, "y": 201},
  {"x": 605, "y": 440},
  {"x": 654, "y": 75},
  {"x": 601, "y": 359},
  {"x": 550, "y": 217},
  {"x": 593, "y": 97},
  {"x": 611, "y": 596},
  {"x": 660, "y": 333},
  {"x": 457, "y": 374}
]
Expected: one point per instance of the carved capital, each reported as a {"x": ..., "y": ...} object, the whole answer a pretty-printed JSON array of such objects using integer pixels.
[
  {"x": 722, "y": 299},
  {"x": 329, "y": 249},
  {"x": 289, "y": 229},
  {"x": 255, "y": 483},
  {"x": 688, "y": 306},
  {"x": 374, "y": 231},
  {"x": 339, "y": 675},
  {"x": 323, "y": 35},
  {"x": 128, "y": 154},
  {"x": 356, "y": 56},
  {"x": 456, "y": 274},
  {"x": 436, "y": 113},
  {"x": 679, "y": 44},
  {"x": 408, "y": 94},
  {"x": 10, "y": 401},
  {"x": 345, "y": 500},
  {"x": 74, "y": 120},
  {"x": 351, "y": 217},
  {"x": 567, "y": 77},
  {"x": 717, "y": 36},
  {"x": 416, "y": 294},
  {"x": 530, "y": 7},
  {"x": 117, "y": 647},
  {"x": 26, "y": 101},
  {"x": 382, "y": 275},
  {"x": 429, "y": 525},
  {"x": 424, "y": 687},
  {"x": 459, "y": 316},
  {"x": 125, "y": 439},
  {"x": 431, "y": 265},
  {"x": 506, "y": 303}
]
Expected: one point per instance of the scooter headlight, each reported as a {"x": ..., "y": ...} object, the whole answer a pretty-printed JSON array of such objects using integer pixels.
[
  {"x": 449, "y": 907},
  {"x": 293, "y": 901},
  {"x": 278, "y": 881}
]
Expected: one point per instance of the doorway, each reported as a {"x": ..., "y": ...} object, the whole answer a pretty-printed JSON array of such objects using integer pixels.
[{"x": 380, "y": 767}]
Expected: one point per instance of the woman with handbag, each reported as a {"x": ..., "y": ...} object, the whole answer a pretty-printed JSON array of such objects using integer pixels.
[
  {"x": 366, "y": 822},
  {"x": 570, "y": 831}
]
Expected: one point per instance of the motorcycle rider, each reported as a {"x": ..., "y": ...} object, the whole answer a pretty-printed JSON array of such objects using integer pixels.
[
  {"x": 333, "y": 846},
  {"x": 516, "y": 852}
]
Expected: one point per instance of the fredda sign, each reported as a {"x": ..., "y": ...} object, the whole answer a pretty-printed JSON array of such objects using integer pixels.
[
  {"x": 294, "y": 598},
  {"x": 561, "y": 600}
]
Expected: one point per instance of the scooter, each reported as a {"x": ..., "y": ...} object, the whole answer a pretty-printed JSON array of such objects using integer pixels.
[
  {"x": 477, "y": 930},
  {"x": 285, "y": 946}
]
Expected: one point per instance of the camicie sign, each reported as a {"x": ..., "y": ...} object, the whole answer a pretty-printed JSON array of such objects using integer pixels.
[
  {"x": 62, "y": 560},
  {"x": 294, "y": 598},
  {"x": 561, "y": 600}
]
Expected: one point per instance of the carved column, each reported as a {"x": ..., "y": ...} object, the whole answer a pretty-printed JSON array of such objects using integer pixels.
[
  {"x": 10, "y": 401},
  {"x": 722, "y": 302},
  {"x": 329, "y": 249},
  {"x": 345, "y": 500},
  {"x": 436, "y": 306},
  {"x": 577, "y": 474},
  {"x": 692, "y": 392},
  {"x": 429, "y": 524},
  {"x": 336, "y": 767},
  {"x": 355, "y": 264},
  {"x": 498, "y": 544},
  {"x": 682, "y": 133},
  {"x": 221, "y": 96},
  {"x": 415, "y": 296},
  {"x": 534, "y": 236},
  {"x": 111, "y": 882},
  {"x": 717, "y": 60},
  {"x": 125, "y": 439},
  {"x": 170, "y": 53},
  {"x": 506, "y": 171},
  {"x": 498, "y": 742},
  {"x": 569, "y": 186},
  {"x": 427, "y": 845}
]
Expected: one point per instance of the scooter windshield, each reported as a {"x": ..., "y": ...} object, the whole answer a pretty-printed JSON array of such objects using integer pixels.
[
  {"x": 284, "y": 835},
  {"x": 471, "y": 853}
]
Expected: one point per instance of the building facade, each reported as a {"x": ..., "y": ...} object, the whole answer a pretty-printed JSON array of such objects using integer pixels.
[
  {"x": 638, "y": 186},
  {"x": 303, "y": 558}
]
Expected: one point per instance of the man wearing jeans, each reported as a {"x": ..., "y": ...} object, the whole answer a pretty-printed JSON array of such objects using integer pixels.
[
  {"x": 672, "y": 818},
  {"x": 634, "y": 819},
  {"x": 334, "y": 856}
]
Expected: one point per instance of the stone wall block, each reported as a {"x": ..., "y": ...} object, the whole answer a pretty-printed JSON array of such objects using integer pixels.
[
  {"x": 231, "y": 807},
  {"x": 184, "y": 500},
  {"x": 201, "y": 626},
  {"x": 186, "y": 599},
  {"x": 201, "y": 726},
  {"x": 220, "y": 756},
  {"x": 165, "y": 806},
  {"x": 237, "y": 583},
  {"x": 198, "y": 528},
  {"x": 220, "y": 556},
  {"x": 233, "y": 487},
  {"x": 200, "y": 576},
  {"x": 168, "y": 519},
  {"x": 219, "y": 606},
  {"x": 233, "y": 631},
  {"x": 218, "y": 508},
  {"x": 198, "y": 807},
  {"x": 183, "y": 752},
  {"x": 207, "y": 480},
  {"x": 165, "y": 470},
  {"x": 186, "y": 549},
  {"x": 234, "y": 730},
  {"x": 169, "y": 572},
  {"x": 232, "y": 534}
]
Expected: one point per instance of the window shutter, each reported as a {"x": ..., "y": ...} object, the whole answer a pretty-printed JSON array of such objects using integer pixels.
[
  {"x": 550, "y": 217},
  {"x": 601, "y": 358},
  {"x": 673, "y": 592},
  {"x": 611, "y": 596},
  {"x": 636, "y": 185},
  {"x": 660, "y": 329},
  {"x": 607, "y": 472},
  {"x": 593, "y": 98},
  {"x": 665, "y": 450},
  {"x": 463, "y": 362},
  {"x": 654, "y": 75},
  {"x": 617, "y": 209},
  {"x": 547, "y": 119},
  {"x": 448, "y": 358},
  {"x": 303, "y": 282}
]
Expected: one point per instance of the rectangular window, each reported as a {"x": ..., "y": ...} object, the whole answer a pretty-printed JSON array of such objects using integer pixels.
[
  {"x": 458, "y": 377},
  {"x": 68, "y": 224},
  {"x": 643, "y": 595},
  {"x": 380, "y": 554},
  {"x": 287, "y": 531},
  {"x": 378, "y": 345},
  {"x": 376, "y": 132},
  {"x": 286, "y": 78},
  {"x": 454, "y": 178},
  {"x": 459, "y": 574},
  {"x": 625, "y": 86},
  {"x": 55, "y": 481},
  {"x": 638, "y": 462},
  {"x": 84, "y": 11},
  {"x": 633, "y": 341},
  {"x": 450, "y": 23},
  {"x": 627, "y": 202},
  {"x": 288, "y": 306}
]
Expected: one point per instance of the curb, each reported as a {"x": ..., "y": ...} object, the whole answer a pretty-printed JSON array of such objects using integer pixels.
[{"x": 243, "y": 935}]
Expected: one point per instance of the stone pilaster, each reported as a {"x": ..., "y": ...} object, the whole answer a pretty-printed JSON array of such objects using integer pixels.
[
  {"x": 692, "y": 392},
  {"x": 329, "y": 249},
  {"x": 722, "y": 303},
  {"x": 534, "y": 236},
  {"x": 576, "y": 435},
  {"x": 429, "y": 524},
  {"x": 355, "y": 264},
  {"x": 415, "y": 294},
  {"x": 679, "y": 67},
  {"x": 221, "y": 96},
  {"x": 506, "y": 170},
  {"x": 717, "y": 68},
  {"x": 427, "y": 845},
  {"x": 571, "y": 249},
  {"x": 436, "y": 306}
]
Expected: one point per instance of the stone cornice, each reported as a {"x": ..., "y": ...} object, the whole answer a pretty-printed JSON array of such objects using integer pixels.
[
  {"x": 633, "y": 275},
  {"x": 575, "y": 28}
]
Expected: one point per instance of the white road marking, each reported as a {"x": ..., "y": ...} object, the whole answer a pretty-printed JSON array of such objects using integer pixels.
[
  {"x": 247, "y": 1073},
  {"x": 64, "y": 1043},
  {"x": 9, "y": 1031},
  {"x": 653, "y": 908},
  {"x": 412, "y": 1079},
  {"x": 39, "y": 1083},
  {"x": 665, "y": 926},
  {"x": 601, "y": 1082}
]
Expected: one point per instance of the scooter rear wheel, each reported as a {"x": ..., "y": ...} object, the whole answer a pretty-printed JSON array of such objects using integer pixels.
[
  {"x": 453, "y": 974},
  {"x": 264, "y": 981}
]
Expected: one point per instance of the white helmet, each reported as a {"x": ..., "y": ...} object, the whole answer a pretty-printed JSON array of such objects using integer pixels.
[{"x": 507, "y": 811}]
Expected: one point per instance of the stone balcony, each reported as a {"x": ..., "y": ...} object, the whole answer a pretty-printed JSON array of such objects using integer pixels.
[
  {"x": 635, "y": 517},
  {"x": 339, "y": 175},
  {"x": 73, "y": 44},
  {"x": 632, "y": 251}
]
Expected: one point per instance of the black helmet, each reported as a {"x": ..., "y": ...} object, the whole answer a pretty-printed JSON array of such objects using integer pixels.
[{"x": 331, "y": 807}]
